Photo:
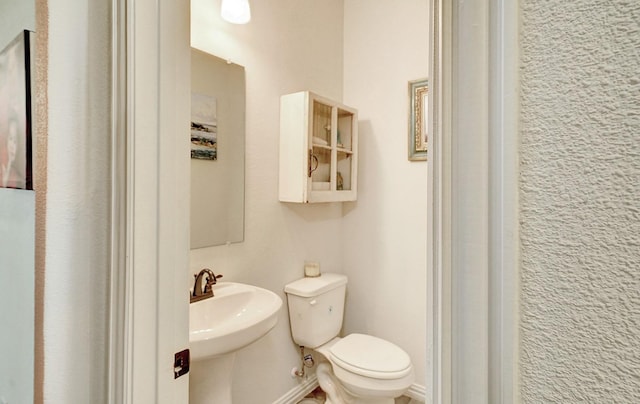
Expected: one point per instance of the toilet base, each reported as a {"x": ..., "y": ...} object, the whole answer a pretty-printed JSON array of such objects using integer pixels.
[{"x": 337, "y": 394}]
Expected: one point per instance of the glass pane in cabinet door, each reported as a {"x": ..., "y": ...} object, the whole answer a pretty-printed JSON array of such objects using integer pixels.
[
  {"x": 321, "y": 124},
  {"x": 321, "y": 168},
  {"x": 343, "y": 175},
  {"x": 345, "y": 126}
]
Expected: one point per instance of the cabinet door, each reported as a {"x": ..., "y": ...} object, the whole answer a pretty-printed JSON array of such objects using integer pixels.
[
  {"x": 333, "y": 146},
  {"x": 322, "y": 143},
  {"x": 346, "y": 162}
]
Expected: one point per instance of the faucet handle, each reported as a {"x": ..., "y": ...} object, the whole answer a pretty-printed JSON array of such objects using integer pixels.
[{"x": 212, "y": 279}]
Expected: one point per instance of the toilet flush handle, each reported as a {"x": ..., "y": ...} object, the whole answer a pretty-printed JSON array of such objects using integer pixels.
[{"x": 313, "y": 302}]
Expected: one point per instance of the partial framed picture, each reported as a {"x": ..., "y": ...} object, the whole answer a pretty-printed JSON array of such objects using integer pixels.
[
  {"x": 204, "y": 127},
  {"x": 15, "y": 114},
  {"x": 418, "y": 115}
]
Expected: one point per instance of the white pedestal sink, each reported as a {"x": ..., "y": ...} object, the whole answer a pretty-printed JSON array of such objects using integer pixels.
[{"x": 237, "y": 315}]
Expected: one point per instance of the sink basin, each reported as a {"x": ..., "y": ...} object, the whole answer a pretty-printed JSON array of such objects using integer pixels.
[{"x": 237, "y": 315}]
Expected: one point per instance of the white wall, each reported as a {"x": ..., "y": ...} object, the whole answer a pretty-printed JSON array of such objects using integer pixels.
[
  {"x": 15, "y": 16},
  {"x": 580, "y": 193},
  {"x": 77, "y": 216},
  {"x": 289, "y": 46},
  {"x": 385, "y": 231},
  {"x": 17, "y": 255}
]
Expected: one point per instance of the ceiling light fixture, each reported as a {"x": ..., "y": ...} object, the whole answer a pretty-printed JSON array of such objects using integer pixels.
[{"x": 236, "y": 11}]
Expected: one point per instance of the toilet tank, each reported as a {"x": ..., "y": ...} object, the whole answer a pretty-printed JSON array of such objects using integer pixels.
[{"x": 316, "y": 308}]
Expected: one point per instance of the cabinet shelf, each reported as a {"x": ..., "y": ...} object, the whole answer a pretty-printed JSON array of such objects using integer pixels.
[{"x": 318, "y": 149}]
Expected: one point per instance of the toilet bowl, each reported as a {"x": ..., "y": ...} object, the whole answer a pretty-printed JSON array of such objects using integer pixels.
[
  {"x": 357, "y": 368},
  {"x": 367, "y": 368}
]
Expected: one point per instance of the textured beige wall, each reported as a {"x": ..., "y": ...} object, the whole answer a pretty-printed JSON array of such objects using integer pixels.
[{"x": 580, "y": 201}]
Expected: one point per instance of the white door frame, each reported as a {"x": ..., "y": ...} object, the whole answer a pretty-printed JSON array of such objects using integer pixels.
[
  {"x": 473, "y": 235},
  {"x": 504, "y": 253},
  {"x": 150, "y": 204},
  {"x": 439, "y": 199},
  {"x": 473, "y": 257}
]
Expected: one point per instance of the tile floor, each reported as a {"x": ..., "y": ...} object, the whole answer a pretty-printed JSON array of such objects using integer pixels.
[{"x": 318, "y": 396}]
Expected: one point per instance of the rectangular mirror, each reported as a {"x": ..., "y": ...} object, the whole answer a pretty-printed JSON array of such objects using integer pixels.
[{"x": 217, "y": 150}]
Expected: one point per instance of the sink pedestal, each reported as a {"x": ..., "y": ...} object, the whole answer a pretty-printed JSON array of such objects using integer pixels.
[{"x": 210, "y": 380}]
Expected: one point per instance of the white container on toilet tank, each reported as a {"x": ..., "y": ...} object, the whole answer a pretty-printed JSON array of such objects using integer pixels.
[{"x": 316, "y": 308}]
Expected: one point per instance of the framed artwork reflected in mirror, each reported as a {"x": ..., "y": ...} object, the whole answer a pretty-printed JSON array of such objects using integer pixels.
[{"x": 418, "y": 115}]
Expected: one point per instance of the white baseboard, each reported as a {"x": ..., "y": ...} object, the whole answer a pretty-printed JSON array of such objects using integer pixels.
[
  {"x": 299, "y": 392},
  {"x": 417, "y": 392}
]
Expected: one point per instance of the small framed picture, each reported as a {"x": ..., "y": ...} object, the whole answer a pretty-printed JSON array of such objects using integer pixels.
[
  {"x": 15, "y": 114},
  {"x": 418, "y": 115}
]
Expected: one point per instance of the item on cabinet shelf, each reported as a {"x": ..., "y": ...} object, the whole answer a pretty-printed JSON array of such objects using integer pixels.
[
  {"x": 318, "y": 149},
  {"x": 311, "y": 269},
  {"x": 320, "y": 141}
]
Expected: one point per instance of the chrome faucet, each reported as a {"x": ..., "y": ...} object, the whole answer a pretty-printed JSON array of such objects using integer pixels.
[{"x": 200, "y": 292}]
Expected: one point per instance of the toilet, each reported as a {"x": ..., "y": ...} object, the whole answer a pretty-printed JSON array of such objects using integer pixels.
[{"x": 359, "y": 368}]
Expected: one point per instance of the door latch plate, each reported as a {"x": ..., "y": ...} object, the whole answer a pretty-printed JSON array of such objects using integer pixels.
[{"x": 181, "y": 363}]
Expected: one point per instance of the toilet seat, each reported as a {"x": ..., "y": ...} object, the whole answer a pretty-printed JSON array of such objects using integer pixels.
[{"x": 369, "y": 356}]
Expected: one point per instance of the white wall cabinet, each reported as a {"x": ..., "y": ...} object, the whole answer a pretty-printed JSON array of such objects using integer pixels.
[{"x": 318, "y": 149}]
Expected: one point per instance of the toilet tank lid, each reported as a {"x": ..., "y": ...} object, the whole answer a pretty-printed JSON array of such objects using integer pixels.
[{"x": 309, "y": 287}]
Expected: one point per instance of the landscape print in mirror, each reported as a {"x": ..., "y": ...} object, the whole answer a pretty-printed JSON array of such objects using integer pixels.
[
  {"x": 15, "y": 114},
  {"x": 204, "y": 127}
]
